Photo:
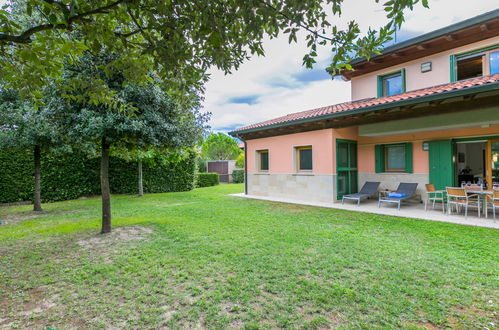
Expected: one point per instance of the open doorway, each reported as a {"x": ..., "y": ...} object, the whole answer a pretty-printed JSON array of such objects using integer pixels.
[
  {"x": 470, "y": 159},
  {"x": 494, "y": 161}
]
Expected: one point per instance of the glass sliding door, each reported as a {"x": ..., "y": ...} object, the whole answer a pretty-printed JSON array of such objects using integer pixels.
[{"x": 346, "y": 167}]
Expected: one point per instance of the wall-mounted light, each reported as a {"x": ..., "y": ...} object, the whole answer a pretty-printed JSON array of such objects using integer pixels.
[
  {"x": 426, "y": 146},
  {"x": 425, "y": 67}
]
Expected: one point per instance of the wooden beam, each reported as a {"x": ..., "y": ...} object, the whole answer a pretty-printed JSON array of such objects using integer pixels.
[
  {"x": 469, "y": 97},
  {"x": 435, "y": 103},
  {"x": 450, "y": 37},
  {"x": 374, "y": 62},
  {"x": 460, "y": 38},
  {"x": 408, "y": 107}
]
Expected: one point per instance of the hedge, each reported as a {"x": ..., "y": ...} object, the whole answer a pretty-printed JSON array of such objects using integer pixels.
[
  {"x": 70, "y": 176},
  {"x": 208, "y": 179},
  {"x": 201, "y": 165},
  {"x": 238, "y": 175}
]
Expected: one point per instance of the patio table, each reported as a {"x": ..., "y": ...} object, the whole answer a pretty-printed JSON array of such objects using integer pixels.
[{"x": 483, "y": 195}]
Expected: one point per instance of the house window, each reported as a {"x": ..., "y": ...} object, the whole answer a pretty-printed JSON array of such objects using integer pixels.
[
  {"x": 470, "y": 67},
  {"x": 474, "y": 64},
  {"x": 304, "y": 158},
  {"x": 263, "y": 160},
  {"x": 494, "y": 62},
  {"x": 391, "y": 84},
  {"x": 393, "y": 158}
]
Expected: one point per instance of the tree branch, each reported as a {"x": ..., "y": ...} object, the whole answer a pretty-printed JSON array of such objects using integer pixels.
[
  {"x": 298, "y": 24},
  {"x": 129, "y": 34},
  {"x": 63, "y": 7},
  {"x": 25, "y": 37},
  {"x": 140, "y": 28}
]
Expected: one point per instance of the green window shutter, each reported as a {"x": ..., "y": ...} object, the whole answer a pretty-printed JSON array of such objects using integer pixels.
[
  {"x": 380, "y": 86},
  {"x": 402, "y": 74},
  {"x": 453, "y": 69},
  {"x": 379, "y": 153},
  {"x": 408, "y": 158}
]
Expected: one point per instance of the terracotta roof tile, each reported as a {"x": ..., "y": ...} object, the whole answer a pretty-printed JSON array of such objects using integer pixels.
[{"x": 360, "y": 104}]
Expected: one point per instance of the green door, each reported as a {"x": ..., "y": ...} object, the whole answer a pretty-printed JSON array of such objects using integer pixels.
[
  {"x": 346, "y": 167},
  {"x": 441, "y": 164}
]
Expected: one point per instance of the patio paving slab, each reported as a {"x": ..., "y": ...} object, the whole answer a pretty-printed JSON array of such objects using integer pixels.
[{"x": 411, "y": 209}]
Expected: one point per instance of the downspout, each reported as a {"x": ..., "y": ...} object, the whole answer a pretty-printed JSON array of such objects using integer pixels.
[{"x": 245, "y": 168}]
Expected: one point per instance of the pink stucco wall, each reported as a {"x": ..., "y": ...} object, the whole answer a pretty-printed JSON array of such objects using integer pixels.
[
  {"x": 420, "y": 157},
  {"x": 323, "y": 142},
  {"x": 366, "y": 158},
  {"x": 281, "y": 151},
  {"x": 365, "y": 86}
]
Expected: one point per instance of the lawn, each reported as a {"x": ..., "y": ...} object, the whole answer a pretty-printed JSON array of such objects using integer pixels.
[{"x": 204, "y": 259}]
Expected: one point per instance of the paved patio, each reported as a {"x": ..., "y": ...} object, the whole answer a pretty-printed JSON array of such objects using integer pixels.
[{"x": 412, "y": 209}]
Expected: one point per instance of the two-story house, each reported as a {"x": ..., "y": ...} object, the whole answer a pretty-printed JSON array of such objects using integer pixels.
[{"x": 425, "y": 110}]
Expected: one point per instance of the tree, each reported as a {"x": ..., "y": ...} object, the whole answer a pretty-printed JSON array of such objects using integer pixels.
[
  {"x": 180, "y": 40},
  {"x": 149, "y": 156},
  {"x": 23, "y": 127},
  {"x": 240, "y": 160},
  {"x": 145, "y": 117},
  {"x": 220, "y": 147}
]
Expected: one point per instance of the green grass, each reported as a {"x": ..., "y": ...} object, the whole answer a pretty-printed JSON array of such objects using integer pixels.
[{"x": 217, "y": 261}]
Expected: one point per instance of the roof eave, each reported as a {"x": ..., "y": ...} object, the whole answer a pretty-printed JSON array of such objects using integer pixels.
[
  {"x": 480, "y": 19},
  {"x": 422, "y": 99}
]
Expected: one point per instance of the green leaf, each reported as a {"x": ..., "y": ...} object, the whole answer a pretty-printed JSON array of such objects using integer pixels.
[{"x": 53, "y": 18}]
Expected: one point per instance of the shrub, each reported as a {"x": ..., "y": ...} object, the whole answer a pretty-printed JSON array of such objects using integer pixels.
[
  {"x": 70, "y": 176},
  {"x": 201, "y": 165},
  {"x": 238, "y": 175},
  {"x": 208, "y": 179}
]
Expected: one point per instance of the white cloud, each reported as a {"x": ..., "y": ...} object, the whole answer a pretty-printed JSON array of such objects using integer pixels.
[
  {"x": 278, "y": 102},
  {"x": 260, "y": 76}
]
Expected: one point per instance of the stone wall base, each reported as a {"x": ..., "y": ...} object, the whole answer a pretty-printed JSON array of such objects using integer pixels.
[
  {"x": 322, "y": 187},
  {"x": 314, "y": 187}
]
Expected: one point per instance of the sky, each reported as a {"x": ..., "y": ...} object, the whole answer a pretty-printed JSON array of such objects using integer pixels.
[{"x": 277, "y": 84}]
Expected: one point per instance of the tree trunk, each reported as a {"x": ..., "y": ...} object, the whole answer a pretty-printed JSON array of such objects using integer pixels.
[
  {"x": 37, "y": 199},
  {"x": 104, "y": 185},
  {"x": 141, "y": 185}
]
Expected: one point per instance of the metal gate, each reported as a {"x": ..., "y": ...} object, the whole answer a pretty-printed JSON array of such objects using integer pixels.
[{"x": 221, "y": 167}]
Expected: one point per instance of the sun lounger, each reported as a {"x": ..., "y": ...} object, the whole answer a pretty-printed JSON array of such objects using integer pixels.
[
  {"x": 369, "y": 189},
  {"x": 404, "y": 192}
]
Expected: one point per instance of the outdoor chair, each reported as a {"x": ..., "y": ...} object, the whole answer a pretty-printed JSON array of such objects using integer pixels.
[
  {"x": 368, "y": 189},
  {"x": 434, "y": 196},
  {"x": 404, "y": 192},
  {"x": 460, "y": 198},
  {"x": 494, "y": 201}
]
